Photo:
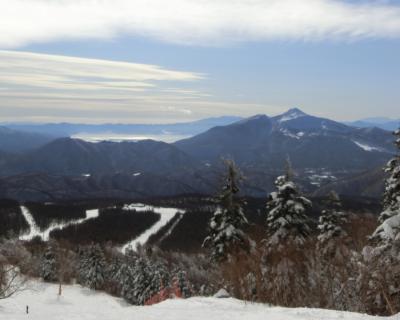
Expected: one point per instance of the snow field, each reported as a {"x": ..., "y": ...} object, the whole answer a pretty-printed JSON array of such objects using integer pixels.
[{"x": 78, "y": 303}]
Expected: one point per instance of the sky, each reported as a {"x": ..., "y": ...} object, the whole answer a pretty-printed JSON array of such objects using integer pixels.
[{"x": 158, "y": 61}]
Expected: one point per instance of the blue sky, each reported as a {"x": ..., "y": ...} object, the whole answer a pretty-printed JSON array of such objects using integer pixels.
[{"x": 338, "y": 60}]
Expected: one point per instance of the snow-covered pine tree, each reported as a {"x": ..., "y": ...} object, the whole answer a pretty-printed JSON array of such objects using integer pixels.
[
  {"x": 49, "y": 264},
  {"x": 181, "y": 283},
  {"x": 383, "y": 258},
  {"x": 160, "y": 277},
  {"x": 114, "y": 273},
  {"x": 331, "y": 221},
  {"x": 125, "y": 278},
  {"x": 389, "y": 229},
  {"x": 334, "y": 266},
  {"x": 114, "y": 267},
  {"x": 225, "y": 228},
  {"x": 287, "y": 218},
  {"x": 138, "y": 280},
  {"x": 159, "y": 287},
  {"x": 92, "y": 267}
]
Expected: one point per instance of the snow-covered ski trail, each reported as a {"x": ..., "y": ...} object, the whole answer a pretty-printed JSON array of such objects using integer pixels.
[
  {"x": 166, "y": 215},
  {"x": 35, "y": 231}
]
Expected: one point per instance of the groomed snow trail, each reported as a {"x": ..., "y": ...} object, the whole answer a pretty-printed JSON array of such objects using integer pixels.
[
  {"x": 79, "y": 303},
  {"x": 34, "y": 230},
  {"x": 166, "y": 215}
]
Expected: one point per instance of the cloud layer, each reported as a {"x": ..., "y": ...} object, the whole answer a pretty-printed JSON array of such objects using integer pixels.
[
  {"x": 195, "y": 22},
  {"x": 51, "y": 88}
]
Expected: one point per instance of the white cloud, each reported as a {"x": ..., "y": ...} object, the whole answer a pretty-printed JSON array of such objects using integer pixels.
[
  {"x": 42, "y": 87},
  {"x": 62, "y": 85},
  {"x": 205, "y": 22},
  {"x": 70, "y": 73}
]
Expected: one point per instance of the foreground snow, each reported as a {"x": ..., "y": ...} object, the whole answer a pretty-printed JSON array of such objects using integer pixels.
[{"x": 84, "y": 304}]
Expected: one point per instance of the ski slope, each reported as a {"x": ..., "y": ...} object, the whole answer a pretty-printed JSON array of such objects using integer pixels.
[
  {"x": 35, "y": 231},
  {"x": 79, "y": 303},
  {"x": 166, "y": 214}
]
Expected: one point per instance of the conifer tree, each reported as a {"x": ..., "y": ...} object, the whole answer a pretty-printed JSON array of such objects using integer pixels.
[
  {"x": 139, "y": 280},
  {"x": 287, "y": 218},
  {"x": 389, "y": 229},
  {"x": 114, "y": 268},
  {"x": 225, "y": 228},
  {"x": 92, "y": 267},
  {"x": 383, "y": 258},
  {"x": 181, "y": 282},
  {"x": 331, "y": 221},
  {"x": 125, "y": 277},
  {"x": 49, "y": 264},
  {"x": 160, "y": 277}
]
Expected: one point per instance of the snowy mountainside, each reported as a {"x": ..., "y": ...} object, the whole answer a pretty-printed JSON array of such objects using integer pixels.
[
  {"x": 262, "y": 142},
  {"x": 77, "y": 303}
]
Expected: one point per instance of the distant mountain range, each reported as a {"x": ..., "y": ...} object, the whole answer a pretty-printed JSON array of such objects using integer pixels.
[
  {"x": 324, "y": 154},
  {"x": 70, "y": 129},
  {"x": 382, "y": 123},
  {"x": 14, "y": 141},
  {"x": 66, "y": 156}
]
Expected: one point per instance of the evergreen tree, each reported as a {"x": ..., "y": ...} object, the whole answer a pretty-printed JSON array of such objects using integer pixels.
[
  {"x": 383, "y": 258},
  {"x": 331, "y": 221},
  {"x": 181, "y": 282},
  {"x": 389, "y": 229},
  {"x": 138, "y": 281},
  {"x": 49, "y": 264},
  {"x": 127, "y": 278},
  {"x": 287, "y": 218},
  {"x": 92, "y": 267},
  {"x": 114, "y": 267},
  {"x": 160, "y": 277},
  {"x": 225, "y": 233}
]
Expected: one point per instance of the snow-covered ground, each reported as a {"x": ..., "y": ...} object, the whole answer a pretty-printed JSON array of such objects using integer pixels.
[
  {"x": 77, "y": 303},
  {"x": 35, "y": 231},
  {"x": 166, "y": 215}
]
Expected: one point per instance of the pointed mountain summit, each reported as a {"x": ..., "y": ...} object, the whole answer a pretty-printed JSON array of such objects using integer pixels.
[
  {"x": 291, "y": 114},
  {"x": 295, "y": 119}
]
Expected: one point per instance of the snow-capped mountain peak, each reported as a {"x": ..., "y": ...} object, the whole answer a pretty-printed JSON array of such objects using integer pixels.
[{"x": 291, "y": 114}]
